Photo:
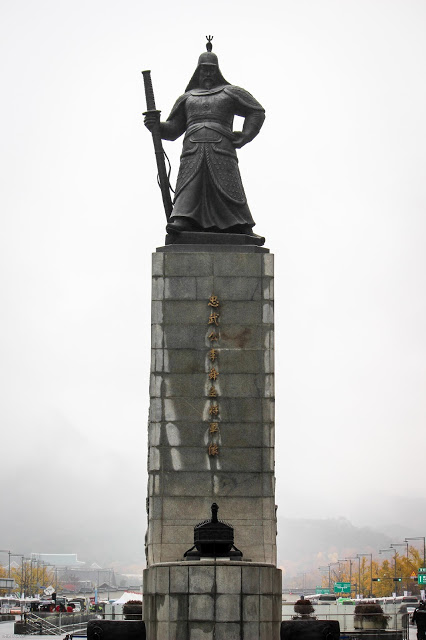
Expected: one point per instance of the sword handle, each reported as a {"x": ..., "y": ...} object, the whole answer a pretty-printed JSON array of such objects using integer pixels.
[{"x": 149, "y": 91}]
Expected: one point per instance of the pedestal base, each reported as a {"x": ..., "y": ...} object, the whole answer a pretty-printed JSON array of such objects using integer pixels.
[{"x": 212, "y": 600}]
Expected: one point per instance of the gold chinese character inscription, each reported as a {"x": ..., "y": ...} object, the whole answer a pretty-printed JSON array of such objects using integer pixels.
[
  {"x": 214, "y": 427},
  {"x": 213, "y": 302},
  {"x": 212, "y": 392},
  {"x": 214, "y": 410},
  {"x": 213, "y": 336},
  {"x": 213, "y": 375},
  {"x": 213, "y": 354},
  {"x": 213, "y": 318},
  {"x": 213, "y": 450}
]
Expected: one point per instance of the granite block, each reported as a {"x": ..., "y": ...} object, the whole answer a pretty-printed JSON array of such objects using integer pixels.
[
  {"x": 266, "y": 608},
  {"x": 155, "y": 410},
  {"x": 204, "y": 287},
  {"x": 251, "y": 631},
  {"x": 251, "y": 580},
  {"x": 268, "y": 288},
  {"x": 157, "y": 291},
  {"x": 182, "y": 288},
  {"x": 155, "y": 507},
  {"x": 163, "y": 630},
  {"x": 153, "y": 459},
  {"x": 227, "y": 484},
  {"x": 240, "y": 312},
  {"x": 154, "y": 432},
  {"x": 185, "y": 312},
  {"x": 187, "y": 483},
  {"x": 156, "y": 336},
  {"x": 228, "y": 579},
  {"x": 156, "y": 312},
  {"x": 200, "y": 631},
  {"x": 162, "y": 585},
  {"x": 179, "y": 580},
  {"x": 240, "y": 336},
  {"x": 155, "y": 383},
  {"x": 201, "y": 579},
  {"x": 228, "y": 607},
  {"x": 237, "y": 288},
  {"x": 178, "y": 336},
  {"x": 268, "y": 313},
  {"x": 277, "y": 588},
  {"x": 265, "y": 580},
  {"x": 266, "y": 631},
  {"x": 267, "y": 459},
  {"x": 237, "y": 459},
  {"x": 178, "y": 607},
  {"x": 177, "y": 631},
  {"x": 227, "y": 631},
  {"x": 268, "y": 361},
  {"x": 157, "y": 264},
  {"x": 162, "y": 607},
  {"x": 241, "y": 361},
  {"x": 251, "y": 608},
  {"x": 268, "y": 264},
  {"x": 188, "y": 264},
  {"x": 239, "y": 264},
  {"x": 201, "y": 606},
  {"x": 185, "y": 361}
]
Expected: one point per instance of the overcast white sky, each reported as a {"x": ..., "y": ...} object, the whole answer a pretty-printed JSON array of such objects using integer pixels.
[{"x": 335, "y": 181}]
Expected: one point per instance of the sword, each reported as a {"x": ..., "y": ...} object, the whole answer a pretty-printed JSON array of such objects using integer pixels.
[{"x": 158, "y": 146}]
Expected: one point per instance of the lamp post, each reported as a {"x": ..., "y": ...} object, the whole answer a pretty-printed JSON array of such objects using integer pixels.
[
  {"x": 360, "y": 555},
  {"x": 424, "y": 546},
  {"x": 329, "y": 576},
  {"x": 394, "y": 558},
  {"x": 8, "y": 552},
  {"x": 350, "y": 571},
  {"x": 331, "y": 564},
  {"x": 401, "y": 544}
]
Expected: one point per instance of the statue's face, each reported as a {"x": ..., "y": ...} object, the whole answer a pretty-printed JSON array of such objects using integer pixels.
[{"x": 208, "y": 76}]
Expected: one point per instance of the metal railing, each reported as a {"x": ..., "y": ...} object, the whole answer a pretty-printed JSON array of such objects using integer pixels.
[{"x": 390, "y": 622}]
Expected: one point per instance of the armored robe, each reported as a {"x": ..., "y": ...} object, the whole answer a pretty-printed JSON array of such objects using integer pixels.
[{"x": 209, "y": 190}]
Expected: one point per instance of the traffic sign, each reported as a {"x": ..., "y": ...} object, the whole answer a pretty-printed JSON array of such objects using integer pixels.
[
  {"x": 342, "y": 587},
  {"x": 421, "y": 579},
  {"x": 321, "y": 590}
]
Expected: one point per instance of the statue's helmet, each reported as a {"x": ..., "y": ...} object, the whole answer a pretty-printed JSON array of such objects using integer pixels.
[{"x": 206, "y": 58}]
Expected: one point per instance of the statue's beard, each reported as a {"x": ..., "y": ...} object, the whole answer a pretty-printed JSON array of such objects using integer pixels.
[{"x": 208, "y": 83}]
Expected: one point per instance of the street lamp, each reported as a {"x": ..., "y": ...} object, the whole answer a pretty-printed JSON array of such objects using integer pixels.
[
  {"x": 401, "y": 544},
  {"x": 8, "y": 552},
  {"x": 394, "y": 558},
  {"x": 359, "y": 555},
  {"x": 424, "y": 546},
  {"x": 329, "y": 575}
]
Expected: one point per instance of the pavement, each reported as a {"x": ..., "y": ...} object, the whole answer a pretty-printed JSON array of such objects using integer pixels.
[{"x": 6, "y": 631}]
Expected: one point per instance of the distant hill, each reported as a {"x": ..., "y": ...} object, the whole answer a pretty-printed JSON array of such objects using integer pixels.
[{"x": 305, "y": 544}]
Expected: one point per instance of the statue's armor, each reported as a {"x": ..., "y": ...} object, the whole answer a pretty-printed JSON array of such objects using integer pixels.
[{"x": 209, "y": 188}]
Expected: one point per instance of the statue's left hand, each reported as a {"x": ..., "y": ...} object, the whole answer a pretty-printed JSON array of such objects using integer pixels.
[{"x": 239, "y": 139}]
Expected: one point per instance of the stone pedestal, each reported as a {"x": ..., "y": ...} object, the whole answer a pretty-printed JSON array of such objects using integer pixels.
[
  {"x": 184, "y": 478},
  {"x": 212, "y": 601},
  {"x": 211, "y": 439}
]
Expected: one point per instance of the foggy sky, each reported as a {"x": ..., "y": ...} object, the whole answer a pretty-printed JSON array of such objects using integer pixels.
[{"x": 335, "y": 181}]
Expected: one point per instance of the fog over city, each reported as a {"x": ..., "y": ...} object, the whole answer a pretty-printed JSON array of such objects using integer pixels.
[{"x": 336, "y": 183}]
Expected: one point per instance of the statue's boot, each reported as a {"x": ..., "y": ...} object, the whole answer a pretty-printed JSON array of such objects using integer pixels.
[{"x": 179, "y": 224}]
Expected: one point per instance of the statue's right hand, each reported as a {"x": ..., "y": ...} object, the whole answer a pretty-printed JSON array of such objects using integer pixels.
[{"x": 151, "y": 119}]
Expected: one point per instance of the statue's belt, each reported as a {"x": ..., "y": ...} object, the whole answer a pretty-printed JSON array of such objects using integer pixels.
[{"x": 213, "y": 126}]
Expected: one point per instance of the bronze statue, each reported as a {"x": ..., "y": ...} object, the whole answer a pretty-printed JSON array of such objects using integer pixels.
[{"x": 209, "y": 193}]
